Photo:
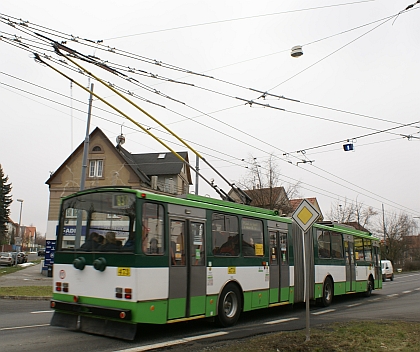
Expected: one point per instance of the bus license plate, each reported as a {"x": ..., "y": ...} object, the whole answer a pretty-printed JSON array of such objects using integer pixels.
[{"x": 123, "y": 272}]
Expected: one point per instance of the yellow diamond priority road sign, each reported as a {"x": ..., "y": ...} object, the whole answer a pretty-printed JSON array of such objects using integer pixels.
[{"x": 305, "y": 215}]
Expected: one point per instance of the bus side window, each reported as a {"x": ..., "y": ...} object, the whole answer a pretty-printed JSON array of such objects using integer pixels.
[
  {"x": 367, "y": 244},
  {"x": 252, "y": 237},
  {"x": 358, "y": 249},
  {"x": 153, "y": 229},
  {"x": 337, "y": 245},
  {"x": 324, "y": 243},
  {"x": 225, "y": 235}
]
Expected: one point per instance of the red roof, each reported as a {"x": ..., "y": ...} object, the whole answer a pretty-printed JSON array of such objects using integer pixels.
[{"x": 294, "y": 203}]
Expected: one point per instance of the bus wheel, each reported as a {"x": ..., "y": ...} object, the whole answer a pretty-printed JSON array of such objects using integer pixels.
[
  {"x": 327, "y": 293},
  {"x": 230, "y": 305},
  {"x": 369, "y": 288}
]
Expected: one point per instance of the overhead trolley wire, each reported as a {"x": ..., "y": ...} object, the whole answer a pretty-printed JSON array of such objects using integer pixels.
[{"x": 239, "y": 19}]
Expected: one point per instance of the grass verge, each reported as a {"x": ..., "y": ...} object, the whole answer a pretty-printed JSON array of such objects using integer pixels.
[
  {"x": 33, "y": 291},
  {"x": 338, "y": 337}
]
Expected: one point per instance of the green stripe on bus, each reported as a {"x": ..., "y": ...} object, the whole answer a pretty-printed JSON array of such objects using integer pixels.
[
  {"x": 177, "y": 308},
  {"x": 274, "y": 295},
  {"x": 339, "y": 288},
  {"x": 211, "y": 306},
  {"x": 197, "y": 305}
]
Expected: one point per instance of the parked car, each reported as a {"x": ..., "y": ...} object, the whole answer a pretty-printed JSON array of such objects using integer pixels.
[
  {"x": 22, "y": 257},
  {"x": 387, "y": 270},
  {"x": 7, "y": 258},
  {"x": 41, "y": 253}
]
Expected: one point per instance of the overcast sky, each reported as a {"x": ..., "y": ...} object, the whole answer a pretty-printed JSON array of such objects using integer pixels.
[{"x": 358, "y": 80}]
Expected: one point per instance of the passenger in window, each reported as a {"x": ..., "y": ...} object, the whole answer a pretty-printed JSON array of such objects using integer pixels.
[
  {"x": 92, "y": 242},
  {"x": 248, "y": 248},
  {"x": 323, "y": 252},
  {"x": 230, "y": 247},
  {"x": 129, "y": 244},
  {"x": 110, "y": 242}
]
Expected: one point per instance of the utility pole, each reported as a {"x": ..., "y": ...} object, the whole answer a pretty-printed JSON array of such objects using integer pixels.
[
  {"x": 383, "y": 222},
  {"x": 86, "y": 144},
  {"x": 197, "y": 162},
  {"x": 84, "y": 167}
]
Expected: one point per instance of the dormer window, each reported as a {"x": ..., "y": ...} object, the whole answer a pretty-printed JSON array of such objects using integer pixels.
[{"x": 96, "y": 148}]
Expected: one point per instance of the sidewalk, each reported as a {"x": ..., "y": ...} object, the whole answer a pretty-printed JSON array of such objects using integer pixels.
[{"x": 29, "y": 276}]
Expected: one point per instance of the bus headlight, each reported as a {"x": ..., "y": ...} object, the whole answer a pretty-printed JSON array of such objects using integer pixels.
[
  {"x": 79, "y": 263},
  {"x": 99, "y": 264}
]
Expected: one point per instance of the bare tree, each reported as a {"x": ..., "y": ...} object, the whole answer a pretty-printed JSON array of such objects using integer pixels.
[
  {"x": 264, "y": 185},
  {"x": 348, "y": 212},
  {"x": 395, "y": 229},
  {"x": 40, "y": 239}
]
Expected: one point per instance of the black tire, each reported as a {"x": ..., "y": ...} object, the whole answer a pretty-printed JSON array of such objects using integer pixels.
[
  {"x": 327, "y": 293},
  {"x": 383, "y": 278},
  {"x": 230, "y": 305},
  {"x": 392, "y": 277},
  {"x": 369, "y": 288}
]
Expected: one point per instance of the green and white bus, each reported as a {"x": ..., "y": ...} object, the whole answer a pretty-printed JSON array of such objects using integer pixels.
[{"x": 168, "y": 259}]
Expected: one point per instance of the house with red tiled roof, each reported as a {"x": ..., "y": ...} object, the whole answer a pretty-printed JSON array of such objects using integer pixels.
[{"x": 294, "y": 203}]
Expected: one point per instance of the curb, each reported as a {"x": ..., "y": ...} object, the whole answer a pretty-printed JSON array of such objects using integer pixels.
[{"x": 27, "y": 298}]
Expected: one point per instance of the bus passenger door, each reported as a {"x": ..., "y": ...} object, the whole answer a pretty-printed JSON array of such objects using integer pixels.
[
  {"x": 279, "y": 267},
  {"x": 197, "y": 269},
  {"x": 177, "y": 304},
  {"x": 350, "y": 264},
  {"x": 187, "y": 271}
]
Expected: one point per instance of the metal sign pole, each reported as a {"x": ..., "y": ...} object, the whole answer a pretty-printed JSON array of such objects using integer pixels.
[
  {"x": 307, "y": 284},
  {"x": 305, "y": 216}
]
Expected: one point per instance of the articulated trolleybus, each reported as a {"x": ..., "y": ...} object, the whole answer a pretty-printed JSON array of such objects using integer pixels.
[{"x": 126, "y": 256}]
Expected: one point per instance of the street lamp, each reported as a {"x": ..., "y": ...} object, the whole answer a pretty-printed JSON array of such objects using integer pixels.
[{"x": 20, "y": 218}]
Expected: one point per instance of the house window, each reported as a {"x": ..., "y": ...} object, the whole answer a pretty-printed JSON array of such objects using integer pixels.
[
  {"x": 71, "y": 213},
  {"x": 96, "y": 168}
]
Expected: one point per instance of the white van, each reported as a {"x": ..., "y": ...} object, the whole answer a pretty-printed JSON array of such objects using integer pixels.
[{"x": 387, "y": 270}]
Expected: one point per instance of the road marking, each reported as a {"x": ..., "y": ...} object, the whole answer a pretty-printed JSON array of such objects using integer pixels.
[
  {"x": 407, "y": 291},
  {"x": 375, "y": 299},
  {"x": 354, "y": 305},
  {"x": 280, "y": 321},
  {"x": 42, "y": 311},
  {"x": 24, "y": 327},
  {"x": 417, "y": 289},
  {"x": 324, "y": 312},
  {"x": 172, "y": 343},
  {"x": 393, "y": 295}
]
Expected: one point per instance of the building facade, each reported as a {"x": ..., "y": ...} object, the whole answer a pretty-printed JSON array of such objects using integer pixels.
[{"x": 110, "y": 165}]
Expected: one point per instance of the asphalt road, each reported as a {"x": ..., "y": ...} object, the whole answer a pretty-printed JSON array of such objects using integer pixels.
[{"x": 24, "y": 325}]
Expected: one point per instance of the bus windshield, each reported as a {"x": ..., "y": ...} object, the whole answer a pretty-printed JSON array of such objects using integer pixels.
[{"x": 100, "y": 221}]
